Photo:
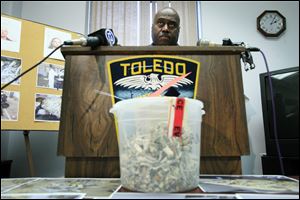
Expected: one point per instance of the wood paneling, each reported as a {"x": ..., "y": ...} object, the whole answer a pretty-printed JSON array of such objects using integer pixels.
[
  {"x": 106, "y": 167},
  {"x": 220, "y": 165},
  {"x": 92, "y": 167},
  {"x": 87, "y": 128},
  {"x": 146, "y": 50},
  {"x": 220, "y": 87}
]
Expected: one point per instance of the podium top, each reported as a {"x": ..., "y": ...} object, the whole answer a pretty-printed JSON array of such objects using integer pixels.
[{"x": 143, "y": 50}]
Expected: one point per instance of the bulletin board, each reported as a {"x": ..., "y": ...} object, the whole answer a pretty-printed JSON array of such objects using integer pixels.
[{"x": 34, "y": 101}]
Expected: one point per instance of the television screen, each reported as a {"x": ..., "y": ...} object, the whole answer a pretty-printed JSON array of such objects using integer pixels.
[{"x": 286, "y": 96}]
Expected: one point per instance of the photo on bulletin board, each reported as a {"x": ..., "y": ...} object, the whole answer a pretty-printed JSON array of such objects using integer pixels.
[
  {"x": 9, "y": 105},
  {"x": 53, "y": 39},
  {"x": 47, "y": 107},
  {"x": 50, "y": 76},
  {"x": 10, "y": 69},
  {"x": 10, "y": 34}
]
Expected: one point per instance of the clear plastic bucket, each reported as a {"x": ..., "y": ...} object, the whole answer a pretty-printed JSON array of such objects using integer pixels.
[{"x": 152, "y": 158}]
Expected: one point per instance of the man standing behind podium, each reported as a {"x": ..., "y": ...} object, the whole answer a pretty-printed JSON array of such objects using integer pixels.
[{"x": 165, "y": 27}]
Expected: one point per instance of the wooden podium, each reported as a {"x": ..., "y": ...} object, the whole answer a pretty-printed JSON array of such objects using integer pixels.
[{"x": 87, "y": 136}]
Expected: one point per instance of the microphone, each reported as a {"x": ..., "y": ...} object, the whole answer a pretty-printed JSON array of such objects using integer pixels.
[
  {"x": 228, "y": 42},
  {"x": 207, "y": 43},
  {"x": 102, "y": 37}
]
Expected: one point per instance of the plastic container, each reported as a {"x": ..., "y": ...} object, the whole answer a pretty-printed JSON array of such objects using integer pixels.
[{"x": 152, "y": 158}]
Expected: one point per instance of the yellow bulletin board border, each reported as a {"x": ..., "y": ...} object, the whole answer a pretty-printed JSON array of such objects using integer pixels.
[{"x": 31, "y": 52}]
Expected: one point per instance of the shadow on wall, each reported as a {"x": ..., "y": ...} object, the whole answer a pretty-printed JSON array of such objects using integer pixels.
[{"x": 43, "y": 144}]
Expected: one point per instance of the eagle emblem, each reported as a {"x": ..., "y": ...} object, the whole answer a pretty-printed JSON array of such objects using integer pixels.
[{"x": 150, "y": 82}]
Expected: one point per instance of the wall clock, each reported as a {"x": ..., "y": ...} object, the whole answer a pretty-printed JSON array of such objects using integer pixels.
[{"x": 271, "y": 23}]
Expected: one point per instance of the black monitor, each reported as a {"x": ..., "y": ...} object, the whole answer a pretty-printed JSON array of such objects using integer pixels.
[{"x": 286, "y": 95}]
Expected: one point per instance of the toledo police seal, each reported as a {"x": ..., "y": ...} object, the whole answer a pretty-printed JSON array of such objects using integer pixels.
[{"x": 137, "y": 76}]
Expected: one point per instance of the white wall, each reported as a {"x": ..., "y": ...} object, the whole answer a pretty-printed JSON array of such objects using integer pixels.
[
  {"x": 13, "y": 8},
  {"x": 44, "y": 152},
  {"x": 237, "y": 20},
  {"x": 70, "y": 15},
  {"x": 66, "y": 15}
]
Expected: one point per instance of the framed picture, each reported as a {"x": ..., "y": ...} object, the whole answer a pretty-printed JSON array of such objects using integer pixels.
[
  {"x": 10, "y": 69},
  {"x": 50, "y": 76},
  {"x": 9, "y": 105},
  {"x": 47, "y": 107},
  {"x": 10, "y": 34},
  {"x": 53, "y": 39}
]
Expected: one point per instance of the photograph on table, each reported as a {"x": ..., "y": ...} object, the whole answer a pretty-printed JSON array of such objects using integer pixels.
[
  {"x": 47, "y": 107},
  {"x": 8, "y": 184},
  {"x": 249, "y": 183},
  {"x": 50, "y": 76},
  {"x": 10, "y": 69},
  {"x": 53, "y": 39},
  {"x": 66, "y": 195},
  {"x": 92, "y": 187},
  {"x": 10, "y": 34},
  {"x": 9, "y": 105}
]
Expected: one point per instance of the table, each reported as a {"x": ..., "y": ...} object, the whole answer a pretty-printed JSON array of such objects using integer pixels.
[{"x": 210, "y": 186}]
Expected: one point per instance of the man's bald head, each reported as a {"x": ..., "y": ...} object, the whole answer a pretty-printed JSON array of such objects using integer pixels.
[
  {"x": 165, "y": 27},
  {"x": 169, "y": 13}
]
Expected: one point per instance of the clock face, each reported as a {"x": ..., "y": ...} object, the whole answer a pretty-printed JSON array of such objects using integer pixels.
[{"x": 271, "y": 23}]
